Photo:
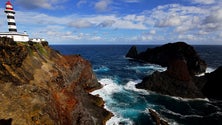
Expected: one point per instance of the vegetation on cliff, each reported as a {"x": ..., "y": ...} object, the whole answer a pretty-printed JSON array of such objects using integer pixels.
[{"x": 39, "y": 86}]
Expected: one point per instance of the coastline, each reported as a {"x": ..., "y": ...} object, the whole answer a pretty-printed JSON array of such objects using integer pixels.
[{"x": 125, "y": 74}]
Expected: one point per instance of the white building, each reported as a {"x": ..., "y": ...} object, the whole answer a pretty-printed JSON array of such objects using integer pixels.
[
  {"x": 37, "y": 40},
  {"x": 17, "y": 37}
]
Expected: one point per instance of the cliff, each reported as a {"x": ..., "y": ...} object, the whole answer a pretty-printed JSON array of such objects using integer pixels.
[{"x": 39, "y": 86}]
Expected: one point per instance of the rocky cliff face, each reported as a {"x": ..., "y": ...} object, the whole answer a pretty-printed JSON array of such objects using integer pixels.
[{"x": 39, "y": 86}]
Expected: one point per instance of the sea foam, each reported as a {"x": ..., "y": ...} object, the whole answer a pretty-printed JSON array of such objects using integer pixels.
[
  {"x": 101, "y": 69},
  {"x": 131, "y": 85},
  {"x": 208, "y": 70},
  {"x": 109, "y": 88},
  {"x": 115, "y": 120}
]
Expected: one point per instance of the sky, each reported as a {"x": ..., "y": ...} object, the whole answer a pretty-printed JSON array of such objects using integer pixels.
[{"x": 118, "y": 21}]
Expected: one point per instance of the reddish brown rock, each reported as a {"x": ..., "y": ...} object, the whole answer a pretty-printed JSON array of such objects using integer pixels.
[{"x": 178, "y": 69}]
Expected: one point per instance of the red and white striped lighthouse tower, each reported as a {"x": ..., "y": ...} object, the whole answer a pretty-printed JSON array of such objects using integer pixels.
[{"x": 10, "y": 17}]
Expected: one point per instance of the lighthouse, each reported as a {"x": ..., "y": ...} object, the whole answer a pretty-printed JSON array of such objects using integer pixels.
[
  {"x": 10, "y": 17},
  {"x": 16, "y": 36}
]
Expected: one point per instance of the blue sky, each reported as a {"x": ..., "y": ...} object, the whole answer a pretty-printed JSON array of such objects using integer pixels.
[{"x": 118, "y": 21}]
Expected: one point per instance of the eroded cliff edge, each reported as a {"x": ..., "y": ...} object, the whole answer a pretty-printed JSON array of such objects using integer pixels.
[{"x": 38, "y": 85}]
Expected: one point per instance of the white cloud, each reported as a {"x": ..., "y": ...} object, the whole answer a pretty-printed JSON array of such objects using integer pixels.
[
  {"x": 213, "y": 21},
  {"x": 172, "y": 20},
  {"x": 187, "y": 19},
  {"x": 122, "y": 24},
  {"x": 202, "y": 32},
  {"x": 107, "y": 23},
  {"x": 58, "y": 34},
  {"x": 81, "y": 2},
  {"x": 95, "y": 38},
  {"x": 187, "y": 37},
  {"x": 188, "y": 23},
  {"x": 80, "y": 23},
  {"x": 40, "y": 19},
  {"x": 102, "y": 5},
  {"x": 204, "y": 1},
  {"x": 220, "y": 35},
  {"x": 46, "y": 4},
  {"x": 178, "y": 16},
  {"x": 152, "y": 32},
  {"x": 135, "y": 18}
]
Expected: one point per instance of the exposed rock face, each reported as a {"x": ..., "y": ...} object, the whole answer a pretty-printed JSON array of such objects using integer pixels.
[
  {"x": 40, "y": 86},
  {"x": 156, "y": 117},
  {"x": 162, "y": 55},
  {"x": 178, "y": 69}
]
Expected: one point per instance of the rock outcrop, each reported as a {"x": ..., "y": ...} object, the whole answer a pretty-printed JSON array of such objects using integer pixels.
[
  {"x": 183, "y": 64},
  {"x": 39, "y": 86},
  {"x": 163, "y": 55},
  {"x": 132, "y": 53},
  {"x": 156, "y": 118}
]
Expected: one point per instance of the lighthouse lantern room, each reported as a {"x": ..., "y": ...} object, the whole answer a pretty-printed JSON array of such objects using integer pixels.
[{"x": 18, "y": 37}]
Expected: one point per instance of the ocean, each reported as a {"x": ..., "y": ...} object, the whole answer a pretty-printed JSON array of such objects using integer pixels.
[{"x": 130, "y": 105}]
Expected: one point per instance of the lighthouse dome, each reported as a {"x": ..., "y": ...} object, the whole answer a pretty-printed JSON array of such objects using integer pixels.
[{"x": 8, "y": 6}]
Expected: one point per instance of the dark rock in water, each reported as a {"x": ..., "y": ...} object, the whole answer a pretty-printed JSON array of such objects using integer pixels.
[
  {"x": 212, "y": 88},
  {"x": 132, "y": 52},
  {"x": 162, "y": 82},
  {"x": 162, "y": 55},
  {"x": 179, "y": 79},
  {"x": 207, "y": 86},
  {"x": 182, "y": 63},
  {"x": 156, "y": 117},
  {"x": 40, "y": 86}
]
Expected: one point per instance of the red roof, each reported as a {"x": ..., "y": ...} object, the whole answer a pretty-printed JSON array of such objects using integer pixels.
[{"x": 7, "y": 5}]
